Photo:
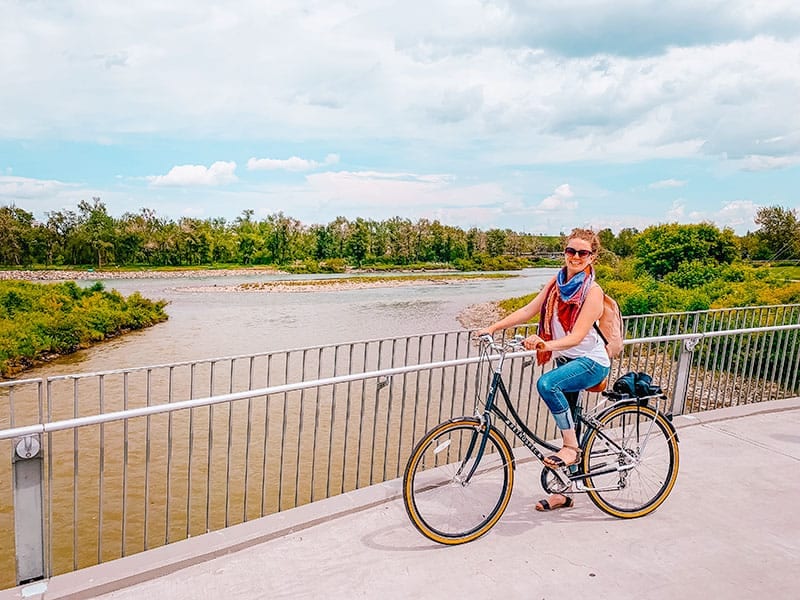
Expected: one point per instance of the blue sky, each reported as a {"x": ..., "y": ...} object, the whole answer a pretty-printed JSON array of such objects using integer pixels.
[{"x": 533, "y": 115}]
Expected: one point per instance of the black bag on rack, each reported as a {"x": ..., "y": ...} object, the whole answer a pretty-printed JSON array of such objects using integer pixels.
[{"x": 636, "y": 384}]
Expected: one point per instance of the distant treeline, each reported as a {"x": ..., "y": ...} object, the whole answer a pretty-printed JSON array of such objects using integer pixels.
[{"x": 90, "y": 236}]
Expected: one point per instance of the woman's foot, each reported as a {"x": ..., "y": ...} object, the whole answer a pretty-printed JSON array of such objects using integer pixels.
[
  {"x": 553, "y": 502},
  {"x": 568, "y": 455}
]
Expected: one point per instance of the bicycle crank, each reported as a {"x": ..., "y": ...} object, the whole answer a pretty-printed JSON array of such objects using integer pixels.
[{"x": 552, "y": 483}]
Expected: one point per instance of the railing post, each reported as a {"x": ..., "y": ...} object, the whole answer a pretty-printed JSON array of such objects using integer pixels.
[
  {"x": 28, "y": 510},
  {"x": 682, "y": 376}
]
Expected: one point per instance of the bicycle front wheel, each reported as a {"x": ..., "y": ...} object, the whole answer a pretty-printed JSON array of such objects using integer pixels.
[
  {"x": 449, "y": 498},
  {"x": 631, "y": 461}
]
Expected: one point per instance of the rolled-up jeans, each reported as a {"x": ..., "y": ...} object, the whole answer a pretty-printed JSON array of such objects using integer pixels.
[{"x": 573, "y": 376}]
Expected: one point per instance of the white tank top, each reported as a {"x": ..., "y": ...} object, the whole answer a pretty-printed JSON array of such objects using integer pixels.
[{"x": 592, "y": 346}]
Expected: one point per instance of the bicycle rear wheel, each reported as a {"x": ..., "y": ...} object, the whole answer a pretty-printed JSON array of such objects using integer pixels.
[
  {"x": 442, "y": 501},
  {"x": 634, "y": 457}
]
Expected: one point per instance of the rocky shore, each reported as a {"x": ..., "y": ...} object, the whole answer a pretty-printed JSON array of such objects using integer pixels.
[
  {"x": 480, "y": 315},
  {"x": 65, "y": 275}
]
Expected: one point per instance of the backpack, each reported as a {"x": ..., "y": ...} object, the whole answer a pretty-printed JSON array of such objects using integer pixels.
[
  {"x": 610, "y": 327},
  {"x": 636, "y": 384}
]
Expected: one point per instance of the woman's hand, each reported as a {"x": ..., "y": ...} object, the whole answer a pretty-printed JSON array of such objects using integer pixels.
[
  {"x": 534, "y": 342},
  {"x": 485, "y": 331}
]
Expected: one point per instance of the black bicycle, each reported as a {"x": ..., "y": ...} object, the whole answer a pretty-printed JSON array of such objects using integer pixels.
[{"x": 459, "y": 477}]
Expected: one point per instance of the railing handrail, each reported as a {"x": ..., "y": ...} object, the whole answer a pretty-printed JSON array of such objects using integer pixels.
[
  {"x": 221, "y": 398},
  {"x": 233, "y": 357},
  {"x": 313, "y": 383},
  {"x": 710, "y": 334},
  {"x": 200, "y": 361}
]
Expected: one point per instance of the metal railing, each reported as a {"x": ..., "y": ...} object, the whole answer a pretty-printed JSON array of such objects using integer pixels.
[{"x": 112, "y": 463}]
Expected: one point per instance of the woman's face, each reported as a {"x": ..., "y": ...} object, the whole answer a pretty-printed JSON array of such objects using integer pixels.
[{"x": 572, "y": 256}]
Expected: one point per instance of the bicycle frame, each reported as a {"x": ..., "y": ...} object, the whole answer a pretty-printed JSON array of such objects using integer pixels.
[{"x": 530, "y": 440}]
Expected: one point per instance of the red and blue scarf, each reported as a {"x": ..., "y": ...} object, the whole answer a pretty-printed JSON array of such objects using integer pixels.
[{"x": 564, "y": 298}]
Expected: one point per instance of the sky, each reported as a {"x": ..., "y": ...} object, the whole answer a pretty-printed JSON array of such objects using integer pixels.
[{"x": 533, "y": 115}]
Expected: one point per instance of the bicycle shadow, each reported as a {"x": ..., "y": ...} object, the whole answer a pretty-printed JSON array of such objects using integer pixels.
[{"x": 519, "y": 519}]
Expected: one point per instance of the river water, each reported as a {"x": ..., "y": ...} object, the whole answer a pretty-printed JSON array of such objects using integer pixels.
[
  {"x": 210, "y": 324},
  {"x": 207, "y": 324}
]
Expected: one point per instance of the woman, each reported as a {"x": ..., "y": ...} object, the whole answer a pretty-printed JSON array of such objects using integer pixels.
[{"x": 568, "y": 306}]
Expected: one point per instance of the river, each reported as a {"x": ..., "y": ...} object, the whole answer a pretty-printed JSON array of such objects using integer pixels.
[
  {"x": 99, "y": 487},
  {"x": 209, "y": 324}
]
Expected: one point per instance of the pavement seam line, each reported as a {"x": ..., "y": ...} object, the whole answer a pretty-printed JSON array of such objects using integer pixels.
[
  {"x": 750, "y": 441},
  {"x": 694, "y": 420}
]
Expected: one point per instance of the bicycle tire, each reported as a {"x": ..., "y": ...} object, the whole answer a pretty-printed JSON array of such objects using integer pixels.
[
  {"x": 439, "y": 504},
  {"x": 651, "y": 473}
]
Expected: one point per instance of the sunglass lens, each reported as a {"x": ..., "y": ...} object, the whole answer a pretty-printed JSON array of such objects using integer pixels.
[{"x": 572, "y": 252}]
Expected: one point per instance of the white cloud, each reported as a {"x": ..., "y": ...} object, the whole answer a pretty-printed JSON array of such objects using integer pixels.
[
  {"x": 391, "y": 193},
  {"x": 41, "y": 196},
  {"x": 25, "y": 188},
  {"x": 755, "y": 162},
  {"x": 290, "y": 164},
  {"x": 666, "y": 183},
  {"x": 676, "y": 211},
  {"x": 500, "y": 89},
  {"x": 560, "y": 199},
  {"x": 738, "y": 215},
  {"x": 499, "y": 73},
  {"x": 219, "y": 173}
]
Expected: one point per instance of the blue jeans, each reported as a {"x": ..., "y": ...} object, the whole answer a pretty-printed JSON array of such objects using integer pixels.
[{"x": 577, "y": 374}]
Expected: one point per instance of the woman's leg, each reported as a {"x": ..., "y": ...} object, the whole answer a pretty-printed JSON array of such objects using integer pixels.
[
  {"x": 553, "y": 387},
  {"x": 576, "y": 375}
]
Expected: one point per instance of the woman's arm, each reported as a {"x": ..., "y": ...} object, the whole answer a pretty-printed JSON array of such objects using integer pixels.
[
  {"x": 591, "y": 311},
  {"x": 522, "y": 315}
]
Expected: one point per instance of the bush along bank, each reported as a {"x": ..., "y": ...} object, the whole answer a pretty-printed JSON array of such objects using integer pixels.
[
  {"x": 692, "y": 286},
  {"x": 41, "y": 321}
]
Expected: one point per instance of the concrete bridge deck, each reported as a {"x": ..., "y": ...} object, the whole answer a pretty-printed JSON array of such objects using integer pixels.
[{"x": 730, "y": 529}]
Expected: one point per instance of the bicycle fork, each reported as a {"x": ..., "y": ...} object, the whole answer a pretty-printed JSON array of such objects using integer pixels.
[{"x": 482, "y": 433}]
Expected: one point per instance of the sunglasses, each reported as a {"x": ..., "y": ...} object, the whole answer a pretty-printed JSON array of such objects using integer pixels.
[{"x": 581, "y": 253}]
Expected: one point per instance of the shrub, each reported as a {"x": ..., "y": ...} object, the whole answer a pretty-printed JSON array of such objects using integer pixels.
[
  {"x": 333, "y": 265},
  {"x": 693, "y": 274},
  {"x": 60, "y": 318}
]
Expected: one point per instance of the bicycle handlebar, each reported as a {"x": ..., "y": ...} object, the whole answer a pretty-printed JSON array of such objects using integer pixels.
[{"x": 503, "y": 346}]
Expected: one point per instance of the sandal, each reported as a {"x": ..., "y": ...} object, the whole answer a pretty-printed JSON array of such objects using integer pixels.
[
  {"x": 543, "y": 505},
  {"x": 556, "y": 462}
]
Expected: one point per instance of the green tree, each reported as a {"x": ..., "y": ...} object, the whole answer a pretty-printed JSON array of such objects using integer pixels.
[
  {"x": 661, "y": 249},
  {"x": 16, "y": 228},
  {"x": 247, "y": 237},
  {"x": 607, "y": 239},
  {"x": 778, "y": 234},
  {"x": 625, "y": 243},
  {"x": 97, "y": 230},
  {"x": 358, "y": 241},
  {"x": 496, "y": 242}
]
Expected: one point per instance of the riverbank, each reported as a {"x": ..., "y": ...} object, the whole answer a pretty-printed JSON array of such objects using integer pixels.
[
  {"x": 478, "y": 316},
  {"x": 193, "y": 284},
  {"x": 40, "y": 322},
  {"x": 91, "y": 275},
  {"x": 332, "y": 284}
]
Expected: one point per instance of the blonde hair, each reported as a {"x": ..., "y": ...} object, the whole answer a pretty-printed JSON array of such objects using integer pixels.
[{"x": 587, "y": 235}]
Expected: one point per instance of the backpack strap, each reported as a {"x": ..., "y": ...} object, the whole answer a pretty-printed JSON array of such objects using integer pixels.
[
  {"x": 600, "y": 333},
  {"x": 596, "y": 325}
]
